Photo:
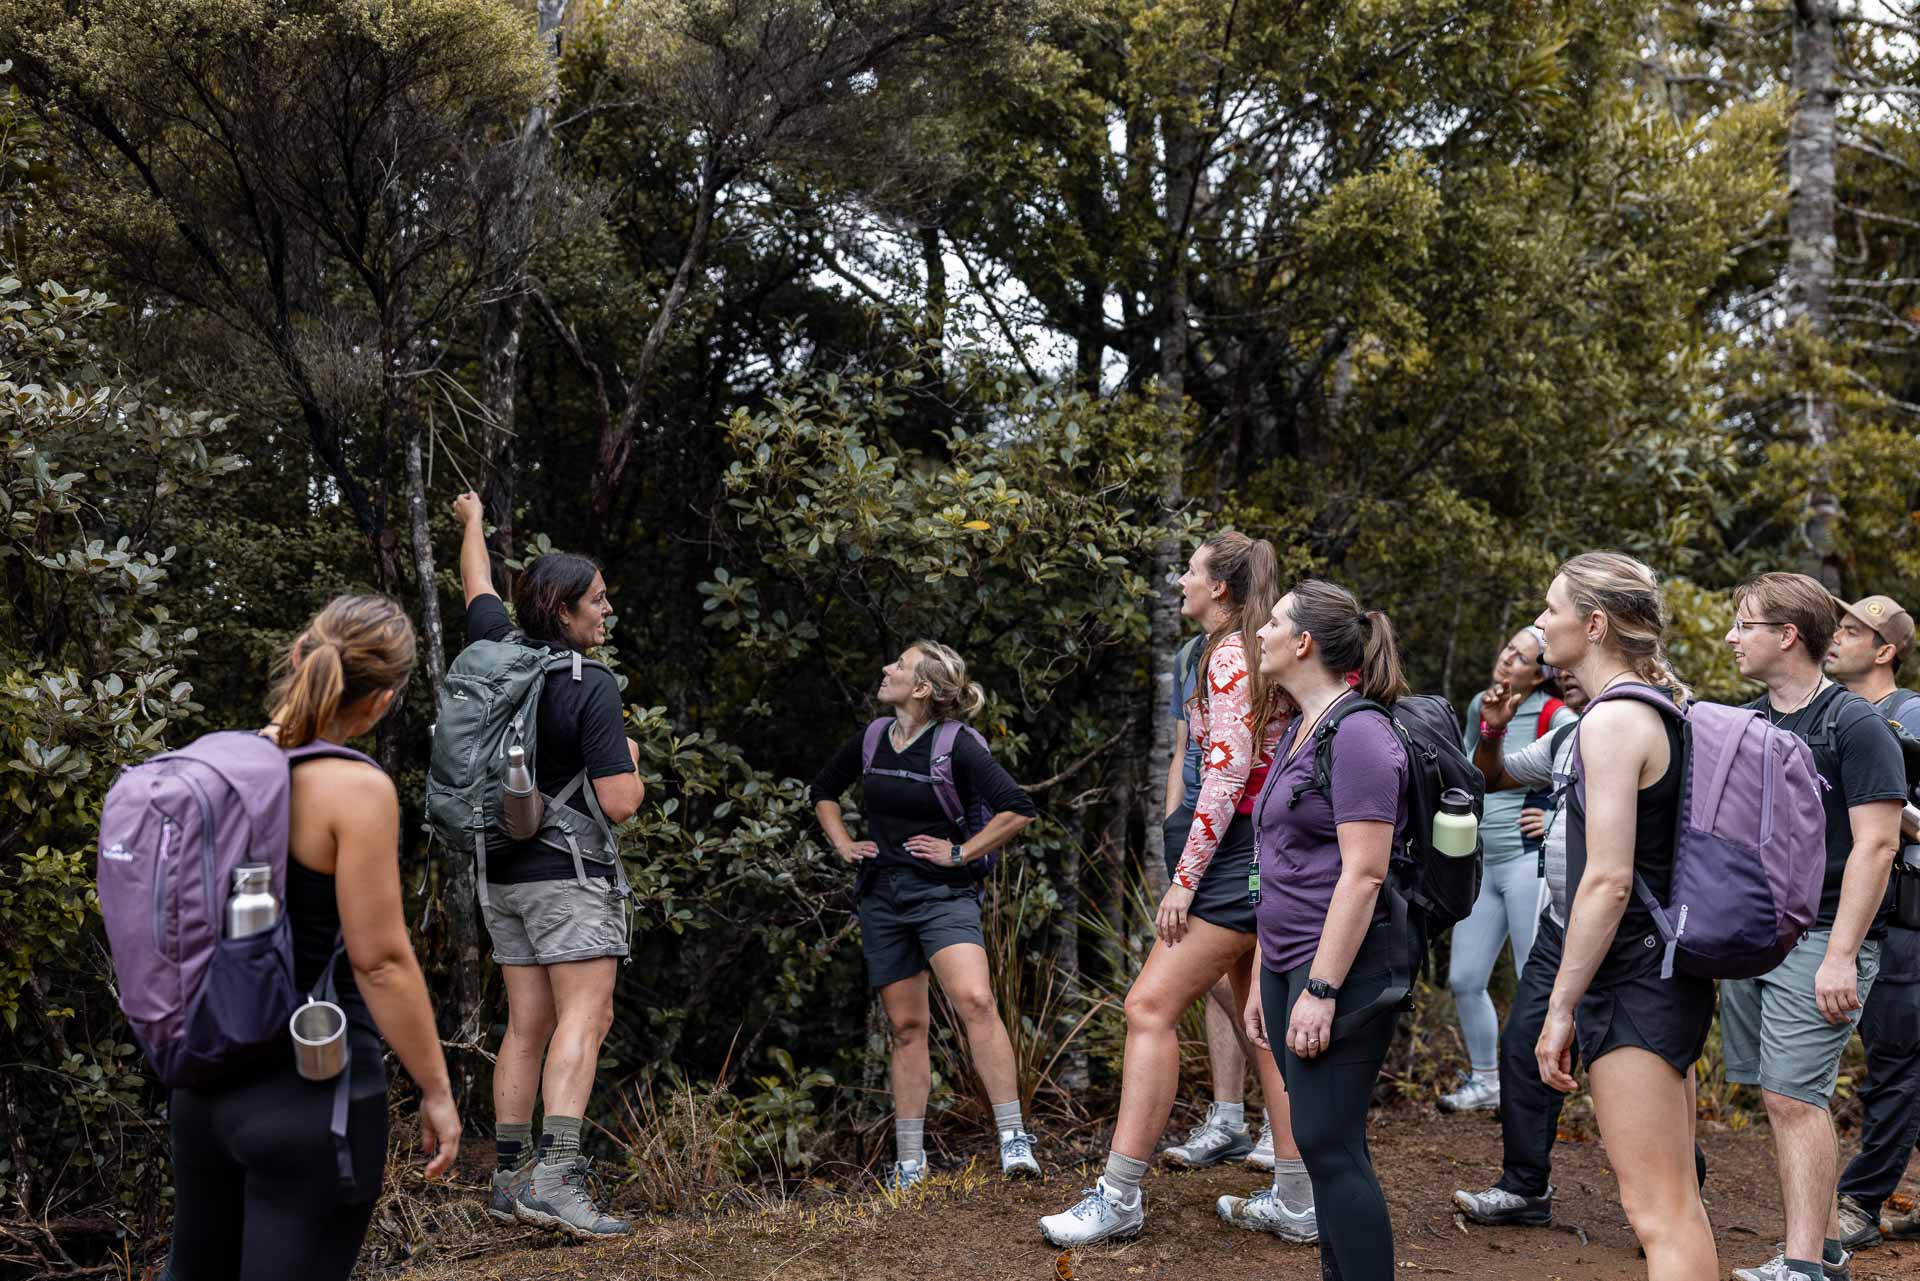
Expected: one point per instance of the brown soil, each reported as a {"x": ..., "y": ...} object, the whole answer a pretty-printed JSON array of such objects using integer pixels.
[{"x": 968, "y": 1224}]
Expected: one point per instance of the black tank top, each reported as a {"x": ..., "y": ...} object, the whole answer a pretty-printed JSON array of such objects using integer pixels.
[
  {"x": 1636, "y": 944},
  {"x": 313, "y": 916}
]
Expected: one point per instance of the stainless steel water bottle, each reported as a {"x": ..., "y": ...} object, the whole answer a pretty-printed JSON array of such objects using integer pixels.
[
  {"x": 521, "y": 805},
  {"x": 251, "y": 907}
]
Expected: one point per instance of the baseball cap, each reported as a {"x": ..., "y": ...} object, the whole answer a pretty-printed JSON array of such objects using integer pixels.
[{"x": 1886, "y": 616}]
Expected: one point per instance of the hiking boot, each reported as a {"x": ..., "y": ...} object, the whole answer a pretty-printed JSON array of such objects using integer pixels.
[
  {"x": 556, "y": 1197},
  {"x": 505, "y": 1188},
  {"x": 1497, "y": 1207},
  {"x": 1858, "y": 1229},
  {"x": 1099, "y": 1215},
  {"x": 904, "y": 1175},
  {"x": 1211, "y": 1142},
  {"x": 1775, "y": 1269},
  {"x": 1265, "y": 1212},
  {"x": 1016, "y": 1157},
  {"x": 1474, "y": 1095},
  {"x": 1901, "y": 1227},
  {"x": 1261, "y": 1158}
]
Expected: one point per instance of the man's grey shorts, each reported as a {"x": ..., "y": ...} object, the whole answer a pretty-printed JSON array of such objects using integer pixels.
[
  {"x": 905, "y": 918},
  {"x": 549, "y": 922},
  {"x": 1771, "y": 1031}
]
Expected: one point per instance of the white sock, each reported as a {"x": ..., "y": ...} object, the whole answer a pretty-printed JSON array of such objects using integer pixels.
[
  {"x": 1123, "y": 1175},
  {"x": 1006, "y": 1119},
  {"x": 1231, "y": 1115},
  {"x": 910, "y": 1140},
  {"x": 1292, "y": 1184}
]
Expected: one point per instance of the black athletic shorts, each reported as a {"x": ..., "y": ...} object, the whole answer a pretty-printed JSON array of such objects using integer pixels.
[
  {"x": 1668, "y": 1017},
  {"x": 1222, "y": 897},
  {"x": 905, "y": 918}
]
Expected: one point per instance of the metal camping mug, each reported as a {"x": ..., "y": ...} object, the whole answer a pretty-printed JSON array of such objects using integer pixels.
[{"x": 319, "y": 1030}]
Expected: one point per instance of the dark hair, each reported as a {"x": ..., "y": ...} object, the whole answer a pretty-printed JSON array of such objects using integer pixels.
[
  {"x": 550, "y": 585},
  {"x": 1795, "y": 599},
  {"x": 1349, "y": 638},
  {"x": 1251, "y": 572},
  {"x": 355, "y": 646}
]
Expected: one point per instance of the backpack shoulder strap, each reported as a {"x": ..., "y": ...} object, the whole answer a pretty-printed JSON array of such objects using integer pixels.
[
  {"x": 1548, "y": 710},
  {"x": 946, "y": 789},
  {"x": 870, "y": 741},
  {"x": 319, "y": 748},
  {"x": 574, "y": 662},
  {"x": 1322, "y": 777},
  {"x": 1896, "y": 704}
]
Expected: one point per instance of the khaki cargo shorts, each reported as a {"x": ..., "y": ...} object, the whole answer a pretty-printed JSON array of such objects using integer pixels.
[{"x": 551, "y": 922}]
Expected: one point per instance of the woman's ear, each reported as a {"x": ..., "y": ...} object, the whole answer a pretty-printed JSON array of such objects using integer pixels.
[{"x": 383, "y": 703}]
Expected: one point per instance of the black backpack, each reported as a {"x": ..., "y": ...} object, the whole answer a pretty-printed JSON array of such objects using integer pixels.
[{"x": 1428, "y": 892}]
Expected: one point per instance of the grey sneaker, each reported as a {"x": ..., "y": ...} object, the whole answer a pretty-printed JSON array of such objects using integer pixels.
[
  {"x": 904, "y": 1175},
  {"x": 1775, "y": 1269},
  {"x": 1858, "y": 1229},
  {"x": 1901, "y": 1227},
  {"x": 1099, "y": 1215},
  {"x": 556, "y": 1197},
  {"x": 1265, "y": 1212},
  {"x": 1261, "y": 1158},
  {"x": 1474, "y": 1095},
  {"x": 1016, "y": 1156},
  {"x": 1498, "y": 1207},
  {"x": 1211, "y": 1142},
  {"x": 505, "y": 1188}
]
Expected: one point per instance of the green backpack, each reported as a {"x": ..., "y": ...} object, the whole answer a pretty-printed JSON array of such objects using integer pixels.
[{"x": 491, "y": 702}]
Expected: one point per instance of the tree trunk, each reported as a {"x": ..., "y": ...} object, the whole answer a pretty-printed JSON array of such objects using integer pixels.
[
  {"x": 1810, "y": 257},
  {"x": 432, "y": 639},
  {"x": 1072, "y": 1075}
]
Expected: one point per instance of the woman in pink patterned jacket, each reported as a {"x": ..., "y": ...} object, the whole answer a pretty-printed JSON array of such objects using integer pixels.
[{"x": 1205, "y": 924}]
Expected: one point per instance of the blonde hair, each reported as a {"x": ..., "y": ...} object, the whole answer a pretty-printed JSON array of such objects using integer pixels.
[
  {"x": 355, "y": 646},
  {"x": 1627, "y": 594},
  {"x": 954, "y": 696},
  {"x": 1251, "y": 571}
]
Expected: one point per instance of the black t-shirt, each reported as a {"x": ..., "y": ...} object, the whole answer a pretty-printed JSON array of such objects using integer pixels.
[
  {"x": 1861, "y": 764},
  {"x": 1656, "y": 811},
  {"x": 896, "y": 808},
  {"x": 579, "y": 727}
]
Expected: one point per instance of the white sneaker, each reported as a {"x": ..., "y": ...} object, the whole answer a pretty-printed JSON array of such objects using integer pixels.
[
  {"x": 1016, "y": 1156},
  {"x": 1775, "y": 1269},
  {"x": 905, "y": 1175},
  {"x": 1474, "y": 1095},
  {"x": 1265, "y": 1212},
  {"x": 1261, "y": 1158},
  {"x": 1098, "y": 1216},
  {"x": 1211, "y": 1142}
]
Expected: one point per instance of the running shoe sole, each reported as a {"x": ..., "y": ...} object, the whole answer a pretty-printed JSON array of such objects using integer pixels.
[
  {"x": 1229, "y": 1153},
  {"x": 554, "y": 1223},
  {"x": 1123, "y": 1234},
  {"x": 1509, "y": 1219}
]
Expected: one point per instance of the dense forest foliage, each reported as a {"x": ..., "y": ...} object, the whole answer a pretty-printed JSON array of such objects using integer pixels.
[{"x": 827, "y": 325}]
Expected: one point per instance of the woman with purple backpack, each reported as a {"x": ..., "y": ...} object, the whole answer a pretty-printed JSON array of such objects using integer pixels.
[
  {"x": 1638, "y": 1032},
  {"x": 938, "y": 806},
  {"x": 259, "y": 1187}
]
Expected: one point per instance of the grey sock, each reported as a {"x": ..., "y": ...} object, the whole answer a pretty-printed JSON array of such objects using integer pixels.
[
  {"x": 910, "y": 1140},
  {"x": 1006, "y": 1118},
  {"x": 1292, "y": 1184},
  {"x": 1124, "y": 1174},
  {"x": 1802, "y": 1268},
  {"x": 511, "y": 1139},
  {"x": 1231, "y": 1115},
  {"x": 559, "y": 1138}
]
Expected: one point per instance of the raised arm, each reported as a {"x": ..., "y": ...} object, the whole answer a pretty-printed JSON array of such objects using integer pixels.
[{"x": 476, "y": 571}]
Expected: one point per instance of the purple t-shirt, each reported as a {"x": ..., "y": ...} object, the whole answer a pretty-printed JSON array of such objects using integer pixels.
[{"x": 1299, "y": 845}]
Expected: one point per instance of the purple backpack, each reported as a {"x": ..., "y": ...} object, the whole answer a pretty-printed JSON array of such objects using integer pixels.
[
  {"x": 967, "y": 818},
  {"x": 172, "y": 831},
  {"x": 1749, "y": 849}
]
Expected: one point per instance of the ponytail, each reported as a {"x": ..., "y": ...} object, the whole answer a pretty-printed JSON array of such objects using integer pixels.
[
  {"x": 954, "y": 696},
  {"x": 1349, "y": 639},
  {"x": 355, "y": 646},
  {"x": 1250, "y": 568},
  {"x": 1380, "y": 676},
  {"x": 1627, "y": 594}
]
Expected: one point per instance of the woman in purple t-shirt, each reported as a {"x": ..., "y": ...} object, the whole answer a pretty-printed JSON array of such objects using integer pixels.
[{"x": 1325, "y": 941}]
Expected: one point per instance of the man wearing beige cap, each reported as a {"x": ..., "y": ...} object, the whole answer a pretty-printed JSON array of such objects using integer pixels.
[{"x": 1874, "y": 637}]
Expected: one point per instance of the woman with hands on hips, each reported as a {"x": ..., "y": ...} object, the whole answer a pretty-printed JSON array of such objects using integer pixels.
[
  {"x": 1326, "y": 940},
  {"x": 918, "y": 896}
]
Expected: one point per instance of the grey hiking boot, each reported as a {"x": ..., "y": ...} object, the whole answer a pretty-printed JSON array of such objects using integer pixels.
[
  {"x": 1900, "y": 1227},
  {"x": 1858, "y": 1229},
  {"x": 904, "y": 1175},
  {"x": 1265, "y": 1212},
  {"x": 1261, "y": 1158},
  {"x": 1016, "y": 1157},
  {"x": 1099, "y": 1215},
  {"x": 1775, "y": 1269},
  {"x": 506, "y": 1188},
  {"x": 1474, "y": 1095},
  {"x": 1211, "y": 1142},
  {"x": 1497, "y": 1206},
  {"x": 556, "y": 1197}
]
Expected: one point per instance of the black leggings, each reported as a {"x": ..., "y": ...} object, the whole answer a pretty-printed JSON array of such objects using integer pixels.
[
  {"x": 257, "y": 1194},
  {"x": 1328, "y": 1095}
]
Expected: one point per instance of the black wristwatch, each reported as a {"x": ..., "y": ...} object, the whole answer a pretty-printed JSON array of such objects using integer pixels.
[
  {"x": 1322, "y": 989},
  {"x": 959, "y": 856}
]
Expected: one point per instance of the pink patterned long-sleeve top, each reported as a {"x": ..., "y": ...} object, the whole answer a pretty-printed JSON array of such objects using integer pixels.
[{"x": 1231, "y": 770}]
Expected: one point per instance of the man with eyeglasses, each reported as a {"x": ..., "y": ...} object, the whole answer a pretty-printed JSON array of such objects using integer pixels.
[
  {"x": 1786, "y": 1030},
  {"x": 1873, "y": 639}
]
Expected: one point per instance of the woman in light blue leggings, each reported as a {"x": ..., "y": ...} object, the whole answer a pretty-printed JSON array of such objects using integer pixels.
[{"x": 1509, "y": 902}]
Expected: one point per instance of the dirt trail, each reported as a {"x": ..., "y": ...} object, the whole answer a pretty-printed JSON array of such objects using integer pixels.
[{"x": 968, "y": 1226}]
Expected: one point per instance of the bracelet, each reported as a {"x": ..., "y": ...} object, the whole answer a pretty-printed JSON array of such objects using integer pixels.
[{"x": 1492, "y": 735}]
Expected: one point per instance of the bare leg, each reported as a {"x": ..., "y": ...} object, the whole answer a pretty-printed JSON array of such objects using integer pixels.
[
  {"x": 1272, "y": 1087},
  {"x": 1809, "y": 1159},
  {"x": 962, "y": 971},
  {"x": 583, "y": 1009},
  {"x": 905, "y": 1004},
  {"x": 1226, "y": 1053},
  {"x": 1641, "y": 1104},
  {"x": 1172, "y": 979},
  {"x": 530, "y": 1024}
]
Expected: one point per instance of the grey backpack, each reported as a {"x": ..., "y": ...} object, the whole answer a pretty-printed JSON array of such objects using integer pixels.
[{"x": 491, "y": 702}]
